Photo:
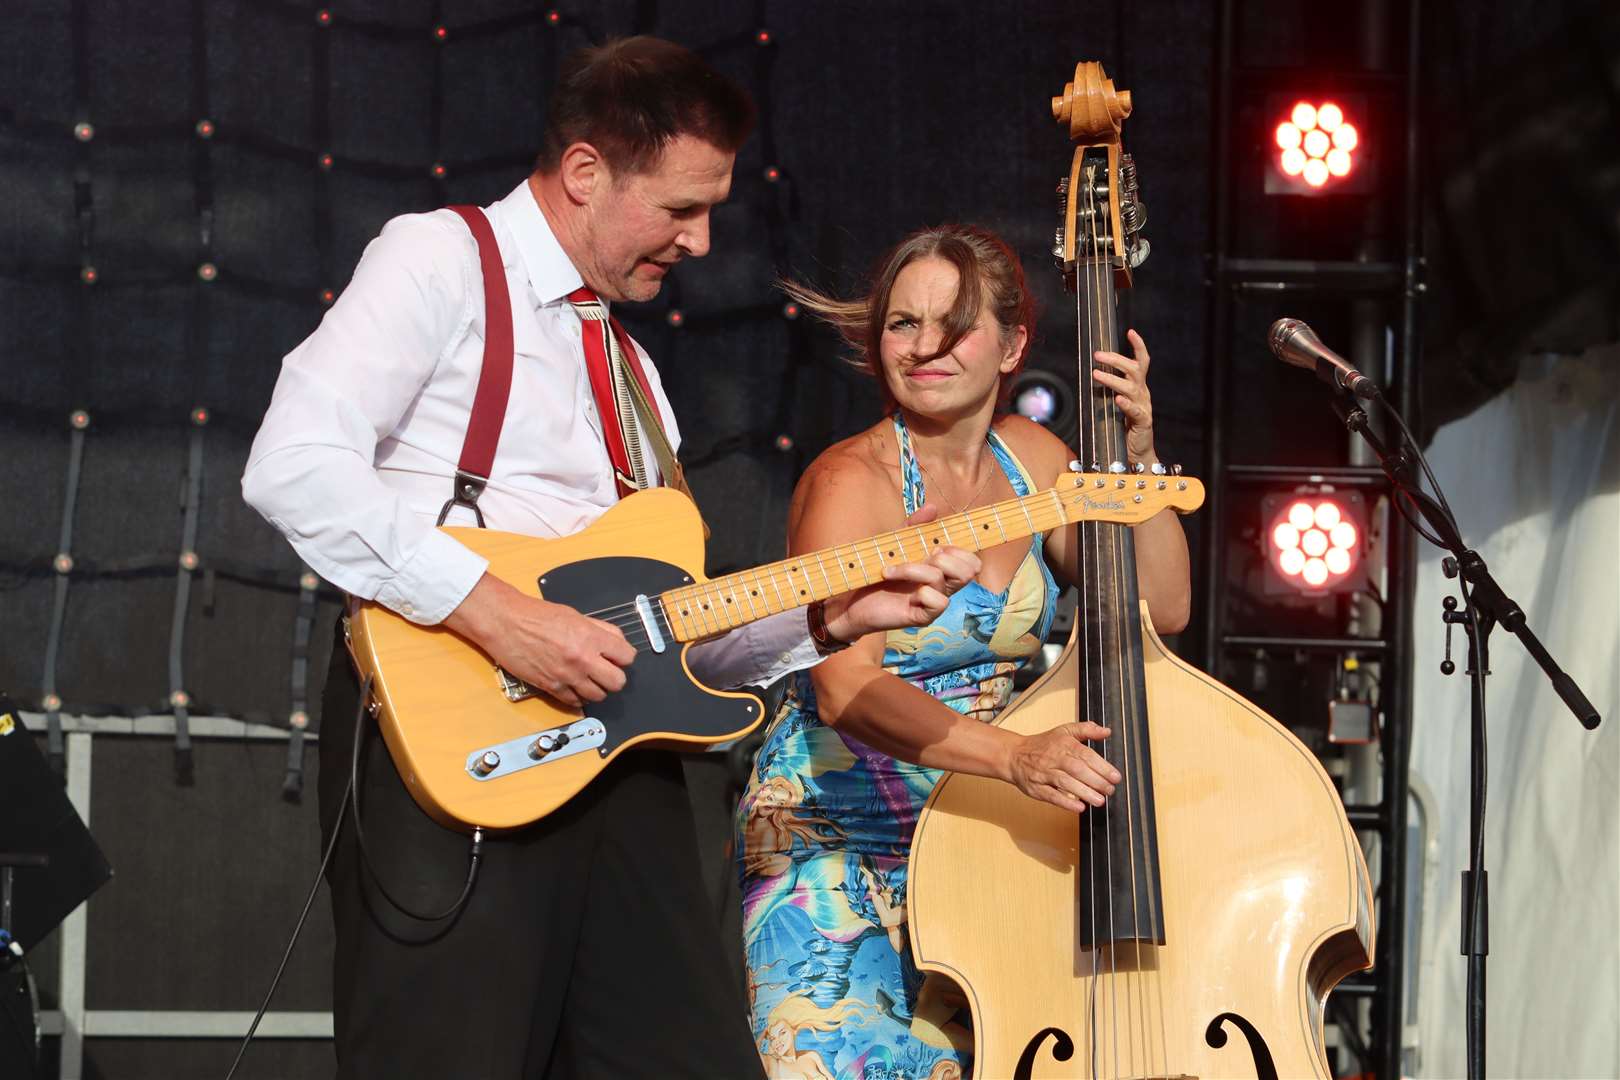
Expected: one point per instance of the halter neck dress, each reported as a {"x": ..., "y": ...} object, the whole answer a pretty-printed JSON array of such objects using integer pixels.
[{"x": 824, "y": 829}]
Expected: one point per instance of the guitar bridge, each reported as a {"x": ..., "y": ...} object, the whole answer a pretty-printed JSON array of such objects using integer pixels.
[{"x": 513, "y": 687}]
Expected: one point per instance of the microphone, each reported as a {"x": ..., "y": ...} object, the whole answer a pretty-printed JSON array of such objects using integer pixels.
[{"x": 1296, "y": 343}]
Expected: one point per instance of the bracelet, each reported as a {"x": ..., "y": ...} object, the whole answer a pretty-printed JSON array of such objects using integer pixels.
[{"x": 815, "y": 616}]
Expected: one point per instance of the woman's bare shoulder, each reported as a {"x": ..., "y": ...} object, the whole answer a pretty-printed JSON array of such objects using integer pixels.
[{"x": 851, "y": 479}]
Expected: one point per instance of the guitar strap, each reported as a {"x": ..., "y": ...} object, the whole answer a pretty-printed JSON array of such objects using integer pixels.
[{"x": 669, "y": 466}]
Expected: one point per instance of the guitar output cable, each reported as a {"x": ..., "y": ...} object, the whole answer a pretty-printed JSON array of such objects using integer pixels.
[{"x": 351, "y": 803}]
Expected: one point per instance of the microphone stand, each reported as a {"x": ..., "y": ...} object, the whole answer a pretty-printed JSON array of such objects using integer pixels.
[{"x": 1485, "y": 606}]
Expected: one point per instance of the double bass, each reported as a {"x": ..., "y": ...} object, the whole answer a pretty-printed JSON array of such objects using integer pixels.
[{"x": 1195, "y": 924}]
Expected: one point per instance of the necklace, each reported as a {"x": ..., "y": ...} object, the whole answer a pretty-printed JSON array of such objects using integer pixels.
[{"x": 941, "y": 487}]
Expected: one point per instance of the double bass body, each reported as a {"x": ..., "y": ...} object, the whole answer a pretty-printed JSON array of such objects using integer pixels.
[{"x": 1266, "y": 901}]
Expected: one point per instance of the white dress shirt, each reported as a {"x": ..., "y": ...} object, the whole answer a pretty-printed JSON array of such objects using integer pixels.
[{"x": 359, "y": 447}]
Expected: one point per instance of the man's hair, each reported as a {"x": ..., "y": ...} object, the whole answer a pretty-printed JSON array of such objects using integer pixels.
[{"x": 630, "y": 97}]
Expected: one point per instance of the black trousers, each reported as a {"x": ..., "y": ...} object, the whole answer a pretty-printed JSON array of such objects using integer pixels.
[{"x": 587, "y": 949}]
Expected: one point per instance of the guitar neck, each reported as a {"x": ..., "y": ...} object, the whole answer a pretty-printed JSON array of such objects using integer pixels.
[{"x": 720, "y": 604}]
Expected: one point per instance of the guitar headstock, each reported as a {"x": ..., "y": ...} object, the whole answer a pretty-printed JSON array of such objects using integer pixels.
[
  {"x": 1127, "y": 497},
  {"x": 1101, "y": 210}
]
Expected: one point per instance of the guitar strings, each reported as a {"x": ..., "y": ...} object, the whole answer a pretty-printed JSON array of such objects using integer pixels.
[{"x": 1033, "y": 513}]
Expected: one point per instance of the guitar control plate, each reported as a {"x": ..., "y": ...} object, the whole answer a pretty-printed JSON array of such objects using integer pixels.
[{"x": 515, "y": 755}]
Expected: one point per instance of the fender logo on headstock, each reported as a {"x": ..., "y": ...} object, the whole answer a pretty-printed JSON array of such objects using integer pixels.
[{"x": 1091, "y": 503}]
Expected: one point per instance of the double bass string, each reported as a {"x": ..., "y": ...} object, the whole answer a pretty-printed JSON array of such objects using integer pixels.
[
  {"x": 1086, "y": 536},
  {"x": 1115, "y": 430},
  {"x": 1101, "y": 446}
]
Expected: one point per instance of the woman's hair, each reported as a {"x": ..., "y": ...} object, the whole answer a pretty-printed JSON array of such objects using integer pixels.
[{"x": 985, "y": 265}]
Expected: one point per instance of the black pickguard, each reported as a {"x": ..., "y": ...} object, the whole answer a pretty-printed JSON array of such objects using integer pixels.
[{"x": 658, "y": 695}]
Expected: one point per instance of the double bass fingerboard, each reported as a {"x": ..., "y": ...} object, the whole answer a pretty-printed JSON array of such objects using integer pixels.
[{"x": 1119, "y": 892}]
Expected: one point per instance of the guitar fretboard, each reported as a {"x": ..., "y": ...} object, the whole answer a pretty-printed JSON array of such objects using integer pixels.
[{"x": 715, "y": 606}]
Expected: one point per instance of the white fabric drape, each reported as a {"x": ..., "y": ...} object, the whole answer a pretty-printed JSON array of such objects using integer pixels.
[{"x": 1532, "y": 477}]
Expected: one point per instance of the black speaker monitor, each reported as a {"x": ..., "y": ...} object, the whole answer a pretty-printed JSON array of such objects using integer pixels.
[{"x": 36, "y": 819}]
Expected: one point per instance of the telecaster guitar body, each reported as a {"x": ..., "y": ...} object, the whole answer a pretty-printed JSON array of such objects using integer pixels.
[
  {"x": 480, "y": 750},
  {"x": 441, "y": 703}
]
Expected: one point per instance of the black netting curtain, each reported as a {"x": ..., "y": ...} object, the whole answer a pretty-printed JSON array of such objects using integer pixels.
[{"x": 188, "y": 184}]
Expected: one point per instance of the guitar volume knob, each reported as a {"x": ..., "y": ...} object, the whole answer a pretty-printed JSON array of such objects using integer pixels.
[
  {"x": 547, "y": 744},
  {"x": 486, "y": 763}
]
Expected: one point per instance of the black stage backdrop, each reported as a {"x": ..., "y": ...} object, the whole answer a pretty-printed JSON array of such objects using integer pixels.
[
  {"x": 207, "y": 259},
  {"x": 183, "y": 182}
]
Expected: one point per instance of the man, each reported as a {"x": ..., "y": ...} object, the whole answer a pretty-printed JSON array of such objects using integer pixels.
[{"x": 586, "y": 946}]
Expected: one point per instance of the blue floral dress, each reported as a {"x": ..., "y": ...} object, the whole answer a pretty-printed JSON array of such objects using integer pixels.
[{"x": 824, "y": 829}]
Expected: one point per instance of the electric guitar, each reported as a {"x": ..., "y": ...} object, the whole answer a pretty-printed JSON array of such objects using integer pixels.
[{"x": 478, "y": 748}]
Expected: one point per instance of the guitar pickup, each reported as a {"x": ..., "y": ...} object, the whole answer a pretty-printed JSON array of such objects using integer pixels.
[{"x": 513, "y": 687}]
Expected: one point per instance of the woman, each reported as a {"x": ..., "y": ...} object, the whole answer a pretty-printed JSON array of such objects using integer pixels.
[{"x": 860, "y": 741}]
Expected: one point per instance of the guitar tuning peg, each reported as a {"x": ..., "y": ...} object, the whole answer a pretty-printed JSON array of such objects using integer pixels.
[
  {"x": 1175, "y": 470},
  {"x": 1158, "y": 469},
  {"x": 1074, "y": 466},
  {"x": 1138, "y": 468}
]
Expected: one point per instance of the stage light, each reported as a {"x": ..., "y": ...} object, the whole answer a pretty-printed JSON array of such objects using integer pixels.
[
  {"x": 1313, "y": 540},
  {"x": 1315, "y": 146},
  {"x": 1042, "y": 397}
]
